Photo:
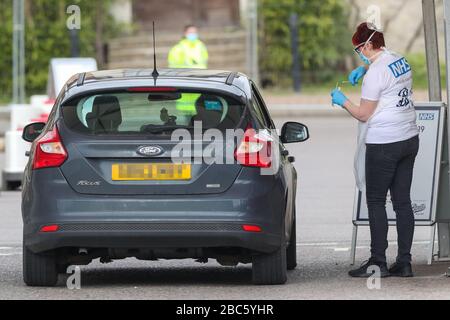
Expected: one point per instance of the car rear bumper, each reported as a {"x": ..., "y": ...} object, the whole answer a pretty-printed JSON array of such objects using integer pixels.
[
  {"x": 169, "y": 221},
  {"x": 125, "y": 237}
]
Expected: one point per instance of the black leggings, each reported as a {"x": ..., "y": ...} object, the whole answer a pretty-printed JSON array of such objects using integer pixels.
[{"x": 390, "y": 167}]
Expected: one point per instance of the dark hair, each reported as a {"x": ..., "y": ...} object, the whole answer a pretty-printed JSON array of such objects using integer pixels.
[
  {"x": 189, "y": 26},
  {"x": 363, "y": 33}
]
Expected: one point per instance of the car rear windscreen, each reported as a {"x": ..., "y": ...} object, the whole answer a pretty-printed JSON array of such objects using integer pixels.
[{"x": 150, "y": 113}]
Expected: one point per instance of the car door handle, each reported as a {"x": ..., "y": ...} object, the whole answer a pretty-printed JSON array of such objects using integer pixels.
[
  {"x": 285, "y": 153},
  {"x": 27, "y": 153}
]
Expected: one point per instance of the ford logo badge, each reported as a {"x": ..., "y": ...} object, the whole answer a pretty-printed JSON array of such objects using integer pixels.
[{"x": 150, "y": 151}]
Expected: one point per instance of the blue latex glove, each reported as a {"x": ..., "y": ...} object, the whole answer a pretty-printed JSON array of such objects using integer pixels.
[
  {"x": 356, "y": 74},
  {"x": 338, "y": 98}
]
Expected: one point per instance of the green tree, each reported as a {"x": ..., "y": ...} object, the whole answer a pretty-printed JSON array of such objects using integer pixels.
[
  {"x": 47, "y": 36},
  {"x": 5, "y": 48},
  {"x": 323, "y": 35}
]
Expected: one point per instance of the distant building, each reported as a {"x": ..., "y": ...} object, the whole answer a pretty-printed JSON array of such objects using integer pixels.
[
  {"x": 219, "y": 22},
  {"x": 174, "y": 14}
]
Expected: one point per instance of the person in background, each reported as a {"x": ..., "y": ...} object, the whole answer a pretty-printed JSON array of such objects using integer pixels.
[
  {"x": 190, "y": 52},
  {"x": 388, "y": 146}
]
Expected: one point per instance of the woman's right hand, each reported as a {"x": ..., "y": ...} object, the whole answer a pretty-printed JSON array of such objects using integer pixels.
[{"x": 338, "y": 98}]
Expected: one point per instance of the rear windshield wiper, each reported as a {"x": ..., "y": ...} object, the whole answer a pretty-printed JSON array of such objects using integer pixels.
[{"x": 161, "y": 129}]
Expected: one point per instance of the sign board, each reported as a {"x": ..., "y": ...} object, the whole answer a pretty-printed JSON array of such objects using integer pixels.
[
  {"x": 62, "y": 69},
  {"x": 424, "y": 190}
]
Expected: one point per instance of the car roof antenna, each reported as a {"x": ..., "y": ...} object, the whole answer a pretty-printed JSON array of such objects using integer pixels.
[{"x": 155, "y": 73}]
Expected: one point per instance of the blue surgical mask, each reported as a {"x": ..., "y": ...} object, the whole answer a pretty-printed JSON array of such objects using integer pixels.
[
  {"x": 364, "y": 58},
  {"x": 192, "y": 36},
  {"x": 359, "y": 51},
  {"x": 367, "y": 60}
]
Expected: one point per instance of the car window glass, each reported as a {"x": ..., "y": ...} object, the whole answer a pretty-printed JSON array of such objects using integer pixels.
[
  {"x": 262, "y": 107},
  {"x": 258, "y": 112},
  {"x": 135, "y": 112}
]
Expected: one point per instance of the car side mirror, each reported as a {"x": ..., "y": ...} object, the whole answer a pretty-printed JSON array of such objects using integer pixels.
[
  {"x": 294, "y": 132},
  {"x": 32, "y": 131}
]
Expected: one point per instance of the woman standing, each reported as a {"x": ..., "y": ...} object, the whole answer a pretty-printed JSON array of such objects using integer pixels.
[{"x": 389, "y": 142}]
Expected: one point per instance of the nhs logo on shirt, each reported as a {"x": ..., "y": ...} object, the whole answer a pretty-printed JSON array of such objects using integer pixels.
[{"x": 400, "y": 67}]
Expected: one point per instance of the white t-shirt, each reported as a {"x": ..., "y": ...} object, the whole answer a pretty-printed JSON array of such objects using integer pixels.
[{"x": 389, "y": 81}]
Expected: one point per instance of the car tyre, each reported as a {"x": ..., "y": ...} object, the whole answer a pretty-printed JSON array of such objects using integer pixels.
[
  {"x": 291, "y": 251},
  {"x": 270, "y": 269},
  {"x": 39, "y": 270}
]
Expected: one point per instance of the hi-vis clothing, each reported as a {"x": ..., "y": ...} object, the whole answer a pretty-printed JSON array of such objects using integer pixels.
[
  {"x": 388, "y": 81},
  {"x": 189, "y": 54}
]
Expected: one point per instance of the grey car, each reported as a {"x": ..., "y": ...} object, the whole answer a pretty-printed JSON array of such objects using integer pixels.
[{"x": 106, "y": 178}]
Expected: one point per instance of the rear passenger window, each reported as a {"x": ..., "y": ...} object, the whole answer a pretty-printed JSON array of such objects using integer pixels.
[
  {"x": 261, "y": 108},
  {"x": 147, "y": 113},
  {"x": 258, "y": 112}
]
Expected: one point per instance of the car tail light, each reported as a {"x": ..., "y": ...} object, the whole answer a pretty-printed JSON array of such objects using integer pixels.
[
  {"x": 251, "y": 228},
  {"x": 51, "y": 228},
  {"x": 255, "y": 149},
  {"x": 49, "y": 151}
]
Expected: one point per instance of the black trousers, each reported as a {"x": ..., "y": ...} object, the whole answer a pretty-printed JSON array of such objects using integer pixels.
[{"x": 389, "y": 167}]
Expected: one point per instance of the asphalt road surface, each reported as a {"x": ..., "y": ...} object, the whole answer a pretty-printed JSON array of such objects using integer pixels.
[{"x": 324, "y": 209}]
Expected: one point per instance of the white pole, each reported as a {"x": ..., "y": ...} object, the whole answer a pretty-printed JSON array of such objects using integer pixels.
[
  {"x": 447, "y": 50},
  {"x": 444, "y": 228},
  {"x": 18, "y": 51},
  {"x": 252, "y": 40},
  {"x": 432, "y": 50}
]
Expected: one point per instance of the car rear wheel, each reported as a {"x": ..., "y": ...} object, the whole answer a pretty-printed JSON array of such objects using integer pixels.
[
  {"x": 270, "y": 269},
  {"x": 39, "y": 270},
  {"x": 291, "y": 251}
]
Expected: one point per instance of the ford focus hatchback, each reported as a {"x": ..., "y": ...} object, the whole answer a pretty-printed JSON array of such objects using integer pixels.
[{"x": 184, "y": 165}]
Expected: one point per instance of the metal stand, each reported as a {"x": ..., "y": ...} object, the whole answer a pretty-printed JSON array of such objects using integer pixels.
[
  {"x": 431, "y": 247},
  {"x": 354, "y": 241},
  {"x": 444, "y": 241}
]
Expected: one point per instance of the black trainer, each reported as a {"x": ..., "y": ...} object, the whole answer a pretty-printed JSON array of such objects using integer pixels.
[
  {"x": 403, "y": 270},
  {"x": 362, "y": 271}
]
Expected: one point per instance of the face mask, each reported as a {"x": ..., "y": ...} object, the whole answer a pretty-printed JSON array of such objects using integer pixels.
[
  {"x": 192, "y": 37},
  {"x": 364, "y": 58},
  {"x": 359, "y": 51},
  {"x": 367, "y": 60}
]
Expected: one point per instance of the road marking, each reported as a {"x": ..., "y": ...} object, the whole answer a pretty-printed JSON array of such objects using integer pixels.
[
  {"x": 317, "y": 244},
  {"x": 10, "y": 254},
  {"x": 335, "y": 245},
  {"x": 341, "y": 249},
  {"x": 330, "y": 244},
  {"x": 10, "y": 251}
]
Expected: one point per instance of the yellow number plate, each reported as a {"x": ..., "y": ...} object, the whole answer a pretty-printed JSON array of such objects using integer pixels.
[{"x": 150, "y": 171}]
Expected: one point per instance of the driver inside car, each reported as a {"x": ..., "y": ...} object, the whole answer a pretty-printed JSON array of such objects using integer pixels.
[{"x": 209, "y": 111}]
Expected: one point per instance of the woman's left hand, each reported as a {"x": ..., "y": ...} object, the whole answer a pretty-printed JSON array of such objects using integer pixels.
[
  {"x": 338, "y": 98},
  {"x": 356, "y": 75}
]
